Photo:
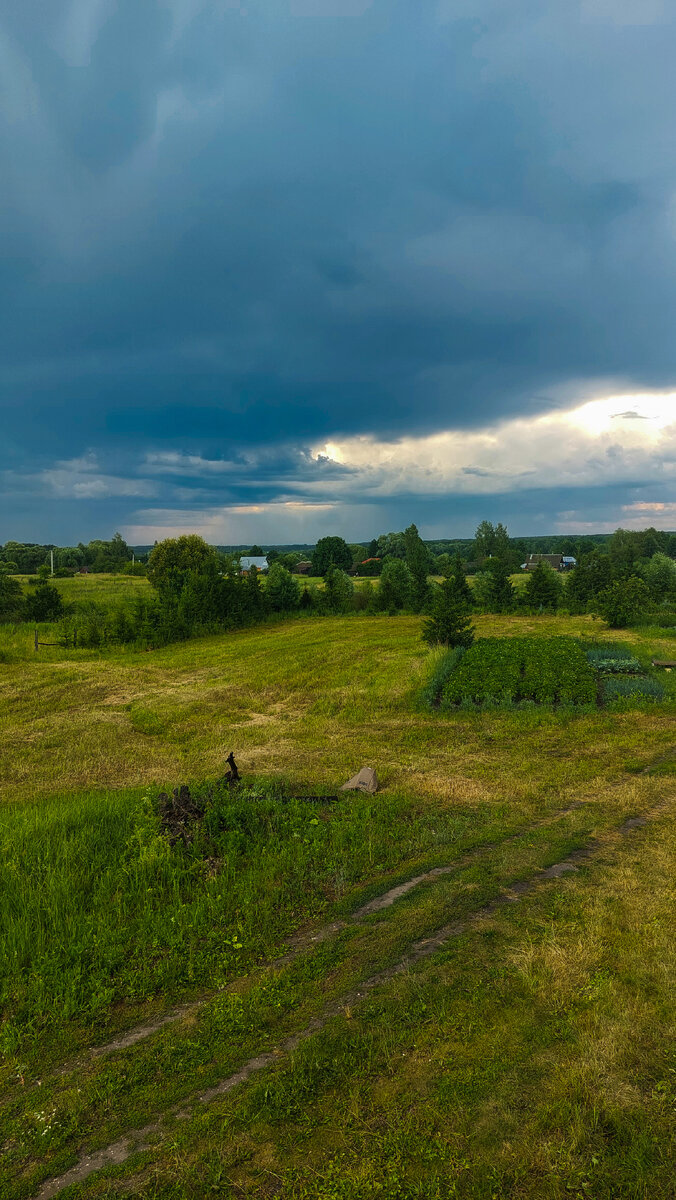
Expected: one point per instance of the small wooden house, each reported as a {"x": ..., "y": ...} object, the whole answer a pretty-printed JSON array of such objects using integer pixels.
[{"x": 555, "y": 561}]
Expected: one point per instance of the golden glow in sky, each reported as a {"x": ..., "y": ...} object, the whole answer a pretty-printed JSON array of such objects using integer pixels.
[{"x": 646, "y": 414}]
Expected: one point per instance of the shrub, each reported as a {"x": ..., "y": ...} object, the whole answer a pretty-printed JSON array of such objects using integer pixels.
[
  {"x": 44, "y": 604},
  {"x": 11, "y": 599},
  {"x": 661, "y": 619},
  {"x": 624, "y": 602},
  {"x": 364, "y": 599},
  {"x": 338, "y": 590}
]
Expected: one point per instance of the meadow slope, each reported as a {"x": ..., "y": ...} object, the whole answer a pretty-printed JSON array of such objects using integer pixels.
[{"x": 527, "y": 1053}]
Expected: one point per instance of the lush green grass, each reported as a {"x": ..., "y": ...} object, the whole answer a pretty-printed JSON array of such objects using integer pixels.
[
  {"x": 101, "y": 588},
  {"x": 92, "y": 891},
  {"x": 528, "y": 1054},
  {"x": 532, "y": 1058}
]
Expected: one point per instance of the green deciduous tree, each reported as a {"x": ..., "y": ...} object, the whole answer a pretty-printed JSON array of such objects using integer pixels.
[
  {"x": 391, "y": 545},
  {"x": 396, "y": 585},
  {"x": 624, "y": 549},
  {"x": 660, "y": 575},
  {"x": 491, "y": 540},
  {"x": 331, "y": 552},
  {"x": 172, "y": 560}
]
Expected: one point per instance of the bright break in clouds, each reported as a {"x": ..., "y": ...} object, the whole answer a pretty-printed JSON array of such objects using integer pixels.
[{"x": 274, "y": 269}]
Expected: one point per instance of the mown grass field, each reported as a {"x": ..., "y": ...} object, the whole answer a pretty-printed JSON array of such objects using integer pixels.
[{"x": 531, "y": 1055}]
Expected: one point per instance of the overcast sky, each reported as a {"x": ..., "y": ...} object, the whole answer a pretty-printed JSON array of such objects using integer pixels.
[{"x": 273, "y": 269}]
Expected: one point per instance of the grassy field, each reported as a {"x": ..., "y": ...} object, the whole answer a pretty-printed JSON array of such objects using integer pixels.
[
  {"x": 77, "y": 589},
  {"x": 528, "y": 1053}
]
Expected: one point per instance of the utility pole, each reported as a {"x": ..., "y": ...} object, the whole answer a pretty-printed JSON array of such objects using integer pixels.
[{"x": 51, "y": 558}]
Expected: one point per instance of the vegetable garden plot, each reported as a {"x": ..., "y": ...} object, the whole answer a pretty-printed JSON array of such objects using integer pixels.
[
  {"x": 614, "y": 659},
  {"x": 641, "y": 687},
  {"x": 516, "y": 670},
  {"x": 622, "y": 676}
]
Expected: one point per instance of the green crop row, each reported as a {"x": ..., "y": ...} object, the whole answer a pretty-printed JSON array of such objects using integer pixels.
[
  {"x": 643, "y": 687},
  {"x": 511, "y": 670},
  {"x": 616, "y": 666}
]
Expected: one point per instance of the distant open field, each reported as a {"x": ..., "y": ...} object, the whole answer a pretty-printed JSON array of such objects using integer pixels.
[
  {"x": 102, "y": 588},
  {"x": 494, "y": 1029},
  {"x": 115, "y": 587}
]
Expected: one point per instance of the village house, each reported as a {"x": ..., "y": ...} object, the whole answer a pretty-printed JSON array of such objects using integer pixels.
[
  {"x": 253, "y": 562},
  {"x": 558, "y": 562}
]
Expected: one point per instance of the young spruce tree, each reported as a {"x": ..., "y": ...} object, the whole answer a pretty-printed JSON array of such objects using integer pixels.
[{"x": 449, "y": 622}]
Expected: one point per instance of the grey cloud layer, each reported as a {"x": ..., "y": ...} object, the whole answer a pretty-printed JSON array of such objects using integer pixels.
[{"x": 236, "y": 224}]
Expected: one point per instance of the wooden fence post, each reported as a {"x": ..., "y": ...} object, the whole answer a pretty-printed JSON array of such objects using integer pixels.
[{"x": 36, "y": 641}]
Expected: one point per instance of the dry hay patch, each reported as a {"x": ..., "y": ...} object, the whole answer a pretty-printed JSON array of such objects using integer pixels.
[{"x": 456, "y": 789}]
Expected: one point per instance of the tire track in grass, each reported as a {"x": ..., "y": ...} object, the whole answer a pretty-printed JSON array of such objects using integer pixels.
[
  {"x": 299, "y": 943},
  {"x": 139, "y": 1140}
]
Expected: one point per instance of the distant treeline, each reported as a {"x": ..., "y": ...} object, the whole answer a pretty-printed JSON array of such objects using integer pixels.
[
  {"x": 115, "y": 556},
  {"x": 196, "y": 589},
  {"x": 26, "y": 558}
]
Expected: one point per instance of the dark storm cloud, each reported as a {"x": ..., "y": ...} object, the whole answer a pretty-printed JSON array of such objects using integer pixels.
[{"x": 230, "y": 225}]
